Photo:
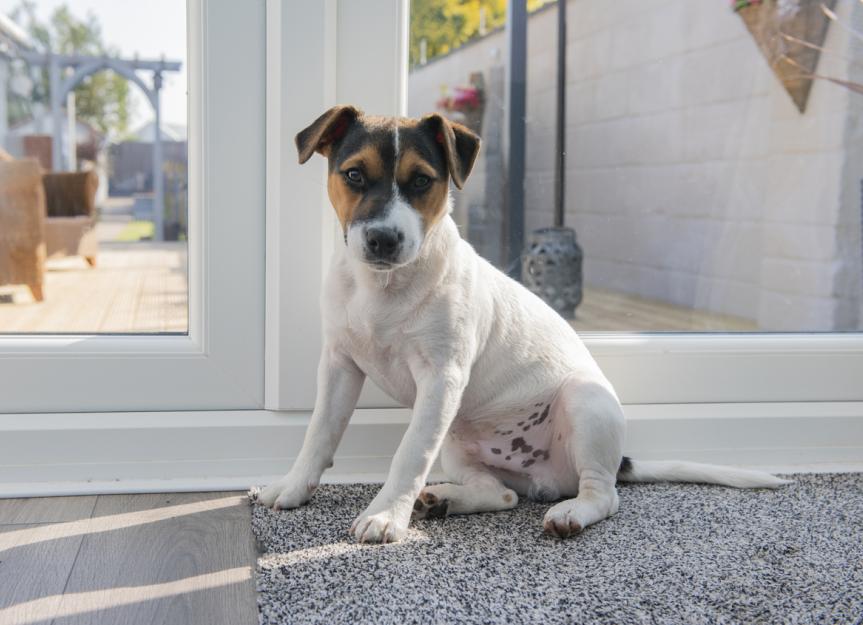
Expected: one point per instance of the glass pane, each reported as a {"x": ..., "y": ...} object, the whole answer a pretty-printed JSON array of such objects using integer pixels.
[
  {"x": 713, "y": 156},
  {"x": 93, "y": 167}
]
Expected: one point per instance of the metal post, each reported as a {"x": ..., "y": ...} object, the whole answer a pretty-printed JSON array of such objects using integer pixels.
[
  {"x": 71, "y": 131},
  {"x": 4, "y": 100},
  {"x": 516, "y": 31},
  {"x": 158, "y": 177},
  {"x": 560, "y": 143},
  {"x": 56, "y": 114}
]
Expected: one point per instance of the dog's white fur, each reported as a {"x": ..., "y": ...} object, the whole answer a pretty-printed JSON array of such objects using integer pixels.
[{"x": 472, "y": 351}]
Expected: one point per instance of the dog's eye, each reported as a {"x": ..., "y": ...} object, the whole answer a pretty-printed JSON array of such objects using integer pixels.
[
  {"x": 421, "y": 182},
  {"x": 353, "y": 176}
]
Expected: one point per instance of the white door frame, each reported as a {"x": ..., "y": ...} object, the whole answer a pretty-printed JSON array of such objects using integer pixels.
[
  {"x": 219, "y": 364},
  {"x": 321, "y": 46}
]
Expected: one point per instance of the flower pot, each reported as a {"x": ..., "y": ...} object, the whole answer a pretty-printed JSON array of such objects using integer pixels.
[{"x": 551, "y": 268}]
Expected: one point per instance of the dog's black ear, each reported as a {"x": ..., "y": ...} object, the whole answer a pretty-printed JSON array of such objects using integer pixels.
[
  {"x": 459, "y": 143},
  {"x": 324, "y": 131}
]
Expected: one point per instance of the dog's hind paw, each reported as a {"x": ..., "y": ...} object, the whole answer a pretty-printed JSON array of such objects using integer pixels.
[{"x": 430, "y": 506}]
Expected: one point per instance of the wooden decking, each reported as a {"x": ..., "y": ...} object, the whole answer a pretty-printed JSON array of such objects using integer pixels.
[
  {"x": 134, "y": 288},
  {"x": 607, "y": 311},
  {"x": 142, "y": 288}
]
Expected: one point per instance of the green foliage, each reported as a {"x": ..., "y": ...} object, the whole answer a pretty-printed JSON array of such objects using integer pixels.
[
  {"x": 448, "y": 24},
  {"x": 103, "y": 99},
  {"x": 135, "y": 231}
]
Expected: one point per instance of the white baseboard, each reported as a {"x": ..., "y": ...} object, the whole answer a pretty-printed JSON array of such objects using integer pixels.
[{"x": 64, "y": 454}]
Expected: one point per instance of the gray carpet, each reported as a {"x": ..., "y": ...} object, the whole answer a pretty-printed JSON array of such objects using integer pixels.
[{"x": 677, "y": 553}]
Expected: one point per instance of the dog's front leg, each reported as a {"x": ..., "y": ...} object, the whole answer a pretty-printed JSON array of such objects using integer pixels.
[
  {"x": 438, "y": 397},
  {"x": 339, "y": 384}
]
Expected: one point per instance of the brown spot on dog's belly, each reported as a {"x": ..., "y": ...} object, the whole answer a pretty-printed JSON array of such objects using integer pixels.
[{"x": 498, "y": 447}]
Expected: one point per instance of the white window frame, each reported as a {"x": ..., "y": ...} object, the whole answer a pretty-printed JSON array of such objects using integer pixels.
[
  {"x": 215, "y": 366},
  {"x": 769, "y": 400}
]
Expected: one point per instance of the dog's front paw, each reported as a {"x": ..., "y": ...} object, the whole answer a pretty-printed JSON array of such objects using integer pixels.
[
  {"x": 562, "y": 520},
  {"x": 430, "y": 505},
  {"x": 387, "y": 526},
  {"x": 287, "y": 493}
]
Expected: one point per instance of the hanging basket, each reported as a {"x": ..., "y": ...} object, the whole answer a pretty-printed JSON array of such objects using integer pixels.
[{"x": 465, "y": 104}]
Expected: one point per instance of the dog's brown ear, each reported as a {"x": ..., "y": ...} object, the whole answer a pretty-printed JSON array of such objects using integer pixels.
[
  {"x": 459, "y": 143},
  {"x": 324, "y": 131}
]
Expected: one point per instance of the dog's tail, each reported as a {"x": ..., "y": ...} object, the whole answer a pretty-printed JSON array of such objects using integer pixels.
[{"x": 679, "y": 471}]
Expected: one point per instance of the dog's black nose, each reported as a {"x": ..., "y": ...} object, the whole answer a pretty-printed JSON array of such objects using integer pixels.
[{"x": 382, "y": 243}]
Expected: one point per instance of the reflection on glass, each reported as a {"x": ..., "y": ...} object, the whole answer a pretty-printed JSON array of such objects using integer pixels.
[
  {"x": 93, "y": 167},
  {"x": 714, "y": 153}
]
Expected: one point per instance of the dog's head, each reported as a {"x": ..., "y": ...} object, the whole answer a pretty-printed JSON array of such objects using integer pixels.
[{"x": 388, "y": 177}]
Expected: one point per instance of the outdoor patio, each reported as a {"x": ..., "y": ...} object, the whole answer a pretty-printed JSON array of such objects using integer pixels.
[
  {"x": 141, "y": 287},
  {"x": 136, "y": 287},
  {"x": 607, "y": 311}
]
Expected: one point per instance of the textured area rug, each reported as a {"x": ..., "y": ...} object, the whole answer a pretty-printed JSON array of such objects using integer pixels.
[{"x": 673, "y": 554}]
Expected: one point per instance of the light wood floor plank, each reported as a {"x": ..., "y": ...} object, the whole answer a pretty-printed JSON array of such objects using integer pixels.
[
  {"x": 46, "y": 509},
  {"x": 177, "y": 558},
  {"x": 35, "y": 563}
]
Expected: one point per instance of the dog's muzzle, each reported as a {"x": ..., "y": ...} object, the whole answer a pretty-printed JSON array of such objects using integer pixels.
[{"x": 383, "y": 245}]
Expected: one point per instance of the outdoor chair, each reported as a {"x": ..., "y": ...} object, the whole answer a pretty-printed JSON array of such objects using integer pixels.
[
  {"x": 22, "y": 225},
  {"x": 70, "y": 227}
]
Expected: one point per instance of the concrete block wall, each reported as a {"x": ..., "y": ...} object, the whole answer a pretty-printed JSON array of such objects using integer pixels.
[{"x": 691, "y": 176}]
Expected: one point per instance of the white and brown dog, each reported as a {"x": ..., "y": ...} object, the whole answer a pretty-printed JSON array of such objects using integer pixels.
[{"x": 501, "y": 386}]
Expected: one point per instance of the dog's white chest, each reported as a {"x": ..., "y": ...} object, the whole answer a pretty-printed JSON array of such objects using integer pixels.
[{"x": 380, "y": 354}]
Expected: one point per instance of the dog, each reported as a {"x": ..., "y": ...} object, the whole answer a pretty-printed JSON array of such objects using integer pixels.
[{"x": 501, "y": 386}]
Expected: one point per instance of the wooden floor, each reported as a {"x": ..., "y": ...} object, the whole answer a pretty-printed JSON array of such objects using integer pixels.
[{"x": 122, "y": 559}]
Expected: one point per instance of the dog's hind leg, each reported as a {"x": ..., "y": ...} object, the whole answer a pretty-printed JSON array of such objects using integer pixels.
[
  {"x": 475, "y": 488},
  {"x": 593, "y": 447}
]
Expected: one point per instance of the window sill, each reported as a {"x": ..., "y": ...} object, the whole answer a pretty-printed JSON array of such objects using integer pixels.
[{"x": 64, "y": 454}]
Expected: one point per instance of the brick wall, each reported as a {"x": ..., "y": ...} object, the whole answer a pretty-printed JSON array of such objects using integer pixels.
[{"x": 691, "y": 176}]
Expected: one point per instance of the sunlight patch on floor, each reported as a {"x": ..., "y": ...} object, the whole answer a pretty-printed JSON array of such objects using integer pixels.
[
  {"x": 54, "y": 531},
  {"x": 70, "y": 604}
]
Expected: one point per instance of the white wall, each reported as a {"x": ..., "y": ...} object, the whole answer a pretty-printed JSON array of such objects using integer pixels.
[{"x": 692, "y": 177}]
